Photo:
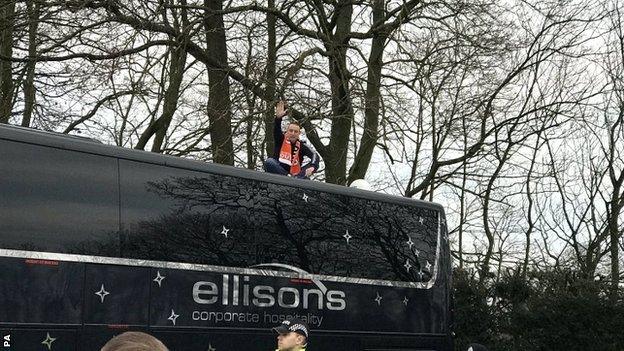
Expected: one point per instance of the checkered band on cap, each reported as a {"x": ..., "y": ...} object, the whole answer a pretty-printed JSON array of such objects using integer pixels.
[
  {"x": 293, "y": 325},
  {"x": 299, "y": 327}
]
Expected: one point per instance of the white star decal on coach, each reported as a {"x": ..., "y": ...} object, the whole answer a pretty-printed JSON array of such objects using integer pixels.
[
  {"x": 48, "y": 341},
  {"x": 378, "y": 299},
  {"x": 173, "y": 317},
  {"x": 420, "y": 219},
  {"x": 159, "y": 278},
  {"x": 210, "y": 348},
  {"x": 407, "y": 265},
  {"x": 225, "y": 231},
  {"x": 347, "y": 236},
  {"x": 428, "y": 266},
  {"x": 405, "y": 300},
  {"x": 410, "y": 243},
  {"x": 305, "y": 197},
  {"x": 102, "y": 293}
]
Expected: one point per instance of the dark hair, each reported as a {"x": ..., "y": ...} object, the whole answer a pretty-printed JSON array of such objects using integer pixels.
[
  {"x": 295, "y": 123},
  {"x": 134, "y": 341}
]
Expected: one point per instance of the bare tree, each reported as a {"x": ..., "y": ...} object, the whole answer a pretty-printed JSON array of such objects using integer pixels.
[
  {"x": 7, "y": 23},
  {"x": 177, "y": 62},
  {"x": 29, "y": 82},
  {"x": 611, "y": 135},
  {"x": 219, "y": 105}
]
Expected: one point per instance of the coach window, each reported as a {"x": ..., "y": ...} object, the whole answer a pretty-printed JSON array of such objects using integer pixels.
[
  {"x": 406, "y": 239},
  {"x": 180, "y": 215},
  {"x": 347, "y": 249},
  {"x": 307, "y": 229},
  {"x": 298, "y": 222},
  {"x": 58, "y": 200},
  {"x": 332, "y": 234},
  {"x": 371, "y": 239}
]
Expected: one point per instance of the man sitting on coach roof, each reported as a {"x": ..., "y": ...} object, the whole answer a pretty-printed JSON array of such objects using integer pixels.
[
  {"x": 292, "y": 335},
  {"x": 289, "y": 149}
]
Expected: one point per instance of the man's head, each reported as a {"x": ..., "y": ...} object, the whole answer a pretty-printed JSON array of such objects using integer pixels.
[
  {"x": 293, "y": 132},
  {"x": 134, "y": 341},
  {"x": 292, "y": 334},
  {"x": 477, "y": 347}
]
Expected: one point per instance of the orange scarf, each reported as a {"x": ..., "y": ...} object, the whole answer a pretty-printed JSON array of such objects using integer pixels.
[{"x": 286, "y": 156}]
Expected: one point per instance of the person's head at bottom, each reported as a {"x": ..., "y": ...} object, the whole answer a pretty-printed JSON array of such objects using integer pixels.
[
  {"x": 292, "y": 335},
  {"x": 134, "y": 341},
  {"x": 476, "y": 347}
]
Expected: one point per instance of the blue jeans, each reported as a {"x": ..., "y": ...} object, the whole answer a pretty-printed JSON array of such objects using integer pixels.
[{"x": 272, "y": 165}]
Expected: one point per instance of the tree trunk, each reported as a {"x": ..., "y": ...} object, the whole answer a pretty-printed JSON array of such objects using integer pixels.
[
  {"x": 269, "y": 79},
  {"x": 530, "y": 220},
  {"x": 7, "y": 22},
  {"x": 177, "y": 64},
  {"x": 614, "y": 235},
  {"x": 616, "y": 204},
  {"x": 462, "y": 204},
  {"x": 502, "y": 159},
  {"x": 219, "y": 105},
  {"x": 249, "y": 126},
  {"x": 342, "y": 109},
  {"x": 170, "y": 103},
  {"x": 373, "y": 99},
  {"x": 29, "y": 83}
]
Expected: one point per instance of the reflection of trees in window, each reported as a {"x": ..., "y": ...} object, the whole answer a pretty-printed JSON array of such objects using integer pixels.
[
  {"x": 209, "y": 194},
  {"x": 108, "y": 245},
  {"x": 298, "y": 223},
  {"x": 378, "y": 235},
  {"x": 393, "y": 226},
  {"x": 268, "y": 223},
  {"x": 210, "y": 222}
]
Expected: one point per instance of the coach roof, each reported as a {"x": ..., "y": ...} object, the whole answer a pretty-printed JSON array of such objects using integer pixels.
[{"x": 91, "y": 146}]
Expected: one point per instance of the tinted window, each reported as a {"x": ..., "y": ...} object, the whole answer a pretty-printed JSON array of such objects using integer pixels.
[
  {"x": 178, "y": 215},
  {"x": 56, "y": 200},
  {"x": 339, "y": 235}
]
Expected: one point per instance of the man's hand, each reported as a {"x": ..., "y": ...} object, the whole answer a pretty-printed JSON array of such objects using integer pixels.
[
  {"x": 281, "y": 109},
  {"x": 309, "y": 171}
]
